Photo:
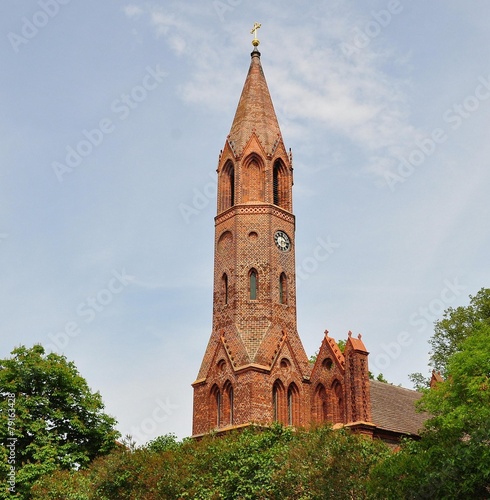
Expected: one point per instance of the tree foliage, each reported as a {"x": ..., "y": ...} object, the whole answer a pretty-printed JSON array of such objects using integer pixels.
[
  {"x": 256, "y": 463},
  {"x": 450, "y": 331},
  {"x": 341, "y": 345},
  {"x": 419, "y": 381},
  {"x": 455, "y": 326},
  {"x": 452, "y": 459},
  {"x": 49, "y": 419}
]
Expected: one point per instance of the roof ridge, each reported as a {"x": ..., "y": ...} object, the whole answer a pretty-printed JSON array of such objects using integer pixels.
[{"x": 393, "y": 385}]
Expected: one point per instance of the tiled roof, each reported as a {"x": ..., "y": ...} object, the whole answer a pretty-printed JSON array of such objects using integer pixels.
[
  {"x": 393, "y": 408},
  {"x": 255, "y": 111}
]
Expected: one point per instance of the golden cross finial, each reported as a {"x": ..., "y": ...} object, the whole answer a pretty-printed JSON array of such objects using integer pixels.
[{"x": 255, "y": 41}]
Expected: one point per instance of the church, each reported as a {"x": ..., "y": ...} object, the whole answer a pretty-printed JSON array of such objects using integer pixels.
[{"x": 255, "y": 369}]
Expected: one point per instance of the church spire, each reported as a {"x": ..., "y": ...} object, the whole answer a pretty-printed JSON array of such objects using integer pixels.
[
  {"x": 255, "y": 111},
  {"x": 255, "y": 368}
]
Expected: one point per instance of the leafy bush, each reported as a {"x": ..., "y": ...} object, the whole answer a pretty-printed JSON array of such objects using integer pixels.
[{"x": 257, "y": 463}]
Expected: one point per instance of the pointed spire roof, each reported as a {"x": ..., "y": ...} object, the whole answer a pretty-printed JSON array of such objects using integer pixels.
[{"x": 255, "y": 111}]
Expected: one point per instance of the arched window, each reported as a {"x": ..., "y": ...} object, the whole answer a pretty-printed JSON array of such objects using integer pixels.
[
  {"x": 230, "y": 398},
  {"x": 338, "y": 402},
  {"x": 227, "y": 186},
  {"x": 227, "y": 410},
  {"x": 278, "y": 402},
  {"x": 253, "y": 284},
  {"x": 275, "y": 403},
  {"x": 253, "y": 180},
  {"x": 225, "y": 288},
  {"x": 275, "y": 182},
  {"x": 283, "y": 289},
  {"x": 327, "y": 363},
  {"x": 216, "y": 395},
  {"x": 293, "y": 405},
  {"x": 280, "y": 185},
  {"x": 320, "y": 403},
  {"x": 218, "y": 408}
]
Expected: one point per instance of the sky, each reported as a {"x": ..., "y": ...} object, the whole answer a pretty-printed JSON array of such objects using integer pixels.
[{"x": 112, "y": 118}]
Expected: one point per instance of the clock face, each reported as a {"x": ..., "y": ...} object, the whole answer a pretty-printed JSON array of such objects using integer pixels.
[{"x": 282, "y": 241}]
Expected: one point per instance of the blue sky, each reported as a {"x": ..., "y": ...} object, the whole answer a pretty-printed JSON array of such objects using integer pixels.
[{"x": 113, "y": 115}]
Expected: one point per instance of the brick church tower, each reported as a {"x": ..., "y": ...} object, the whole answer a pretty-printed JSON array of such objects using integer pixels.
[{"x": 255, "y": 368}]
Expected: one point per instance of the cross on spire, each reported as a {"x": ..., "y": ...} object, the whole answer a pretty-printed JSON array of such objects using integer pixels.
[{"x": 255, "y": 41}]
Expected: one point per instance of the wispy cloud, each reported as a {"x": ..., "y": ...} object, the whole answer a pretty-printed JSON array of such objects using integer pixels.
[
  {"x": 132, "y": 10},
  {"x": 351, "y": 96}
]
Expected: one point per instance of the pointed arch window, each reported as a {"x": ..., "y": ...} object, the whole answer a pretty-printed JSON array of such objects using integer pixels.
[
  {"x": 283, "y": 289},
  {"x": 275, "y": 182},
  {"x": 280, "y": 185},
  {"x": 253, "y": 181},
  {"x": 338, "y": 402},
  {"x": 253, "y": 284},
  {"x": 278, "y": 402},
  {"x": 218, "y": 408},
  {"x": 293, "y": 404},
  {"x": 227, "y": 186},
  {"x": 275, "y": 413},
  {"x": 228, "y": 403},
  {"x": 230, "y": 399},
  {"x": 216, "y": 395},
  {"x": 225, "y": 288},
  {"x": 255, "y": 185},
  {"x": 320, "y": 403}
]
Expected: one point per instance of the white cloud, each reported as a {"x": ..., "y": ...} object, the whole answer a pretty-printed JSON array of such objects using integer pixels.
[
  {"x": 132, "y": 10},
  {"x": 163, "y": 22}
]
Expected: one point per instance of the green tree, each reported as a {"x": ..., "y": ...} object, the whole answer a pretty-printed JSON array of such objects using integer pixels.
[
  {"x": 341, "y": 343},
  {"x": 63, "y": 484},
  {"x": 452, "y": 460},
  {"x": 455, "y": 326},
  {"x": 324, "y": 463},
  {"x": 163, "y": 443},
  {"x": 49, "y": 419},
  {"x": 450, "y": 331},
  {"x": 419, "y": 381},
  {"x": 236, "y": 466}
]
